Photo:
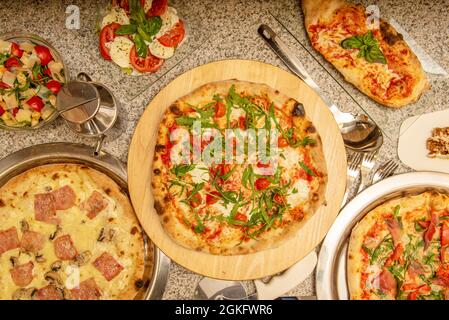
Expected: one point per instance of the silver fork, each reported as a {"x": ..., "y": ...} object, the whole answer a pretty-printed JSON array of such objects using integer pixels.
[
  {"x": 384, "y": 171},
  {"x": 368, "y": 163},
  {"x": 352, "y": 175}
]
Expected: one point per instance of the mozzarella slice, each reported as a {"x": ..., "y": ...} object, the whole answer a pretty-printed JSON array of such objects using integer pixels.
[
  {"x": 161, "y": 51},
  {"x": 298, "y": 193},
  {"x": 169, "y": 19},
  {"x": 119, "y": 50},
  {"x": 147, "y": 6},
  {"x": 117, "y": 15}
]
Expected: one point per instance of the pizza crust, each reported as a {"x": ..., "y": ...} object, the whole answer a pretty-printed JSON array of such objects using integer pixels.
[{"x": 163, "y": 199}]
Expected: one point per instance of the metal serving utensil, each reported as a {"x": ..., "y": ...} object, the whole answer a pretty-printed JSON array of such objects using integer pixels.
[{"x": 359, "y": 132}]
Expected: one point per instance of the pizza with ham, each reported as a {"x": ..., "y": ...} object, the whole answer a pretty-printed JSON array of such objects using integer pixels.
[
  {"x": 373, "y": 57},
  {"x": 400, "y": 250},
  {"x": 68, "y": 232},
  {"x": 231, "y": 204}
]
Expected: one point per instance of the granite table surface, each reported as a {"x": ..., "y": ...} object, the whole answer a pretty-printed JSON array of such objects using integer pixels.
[{"x": 220, "y": 30}]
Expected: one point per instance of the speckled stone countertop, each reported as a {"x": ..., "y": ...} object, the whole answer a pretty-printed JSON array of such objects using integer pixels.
[{"x": 220, "y": 30}]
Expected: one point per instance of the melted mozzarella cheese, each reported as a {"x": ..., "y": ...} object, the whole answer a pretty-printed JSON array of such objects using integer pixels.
[
  {"x": 117, "y": 15},
  {"x": 298, "y": 193},
  {"x": 236, "y": 113},
  {"x": 290, "y": 157},
  {"x": 161, "y": 51},
  {"x": 224, "y": 210},
  {"x": 200, "y": 173},
  {"x": 120, "y": 49},
  {"x": 169, "y": 19}
]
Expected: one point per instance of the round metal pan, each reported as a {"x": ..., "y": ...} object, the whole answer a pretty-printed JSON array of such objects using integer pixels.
[
  {"x": 157, "y": 264},
  {"x": 331, "y": 281}
]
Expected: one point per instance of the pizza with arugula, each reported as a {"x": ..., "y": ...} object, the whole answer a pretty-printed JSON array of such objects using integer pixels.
[
  {"x": 238, "y": 205},
  {"x": 400, "y": 250}
]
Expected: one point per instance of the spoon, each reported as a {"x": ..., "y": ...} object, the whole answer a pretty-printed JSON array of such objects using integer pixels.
[{"x": 359, "y": 132}]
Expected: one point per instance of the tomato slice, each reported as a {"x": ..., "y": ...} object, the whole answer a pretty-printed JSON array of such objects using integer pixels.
[
  {"x": 4, "y": 85},
  {"x": 44, "y": 54},
  {"x": 54, "y": 86},
  {"x": 242, "y": 123},
  {"x": 124, "y": 4},
  {"x": 15, "y": 50},
  {"x": 174, "y": 36},
  {"x": 36, "y": 103},
  {"x": 282, "y": 142},
  {"x": 12, "y": 62},
  {"x": 241, "y": 217},
  {"x": 445, "y": 233},
  {"x": 2, "y": 111},
  {"x": 14, "y": 111},
  {"x": 196, "y": 200},
  {"x": 158, "y": 8},
  {"x": 220, "y": 109},
  {"x": 262, "y": 183},
  {"x": 213, "y": 197},
  {"x": 148, "y": 64},
  {"x": 107, "y": 34},
  {"x": 278, "y": 198}
]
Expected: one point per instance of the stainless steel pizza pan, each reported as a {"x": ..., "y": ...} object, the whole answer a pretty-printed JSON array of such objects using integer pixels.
[
  {"x": 157, "y": 264},
  {"x": 331, "y": 282}
]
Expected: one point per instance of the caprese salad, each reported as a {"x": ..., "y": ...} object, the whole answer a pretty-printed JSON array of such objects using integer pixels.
[
  {"x": 30, "y": 79},
  {"x": 139, "y": 35}
]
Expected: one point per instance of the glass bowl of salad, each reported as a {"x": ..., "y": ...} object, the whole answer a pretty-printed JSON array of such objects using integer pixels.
[{"x": 32, "y": 73}]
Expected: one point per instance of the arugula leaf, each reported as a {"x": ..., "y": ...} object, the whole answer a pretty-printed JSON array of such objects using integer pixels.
[
  {"x": 4, "y": 57},
  {"x": 181, "y": 170},
  {"x": 199, "y": 228},
  {"x": 306, "y": 141},
  {"x": 195, "y": 190},
  {"x": 126, "y": 29},
  {"x": 307, "y": 169},
  {"x": 396, "y": 212},
  {"x": 368, "y": 46}
]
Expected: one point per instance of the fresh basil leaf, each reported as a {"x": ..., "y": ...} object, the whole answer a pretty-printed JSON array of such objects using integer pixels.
[
  {"x": 375, "y": 55},
  {"x": 152, "y": 25},
  {"x": 145, "y": 36},
  {"x": 368, "y": 46},
  {"x": 126, "y": 29},
  {"x": 354, "y": 42},
  {"x": 141, "y": 46}
]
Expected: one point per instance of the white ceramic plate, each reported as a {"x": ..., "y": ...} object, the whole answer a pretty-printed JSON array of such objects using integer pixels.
[{"x": 413, "y": 134}]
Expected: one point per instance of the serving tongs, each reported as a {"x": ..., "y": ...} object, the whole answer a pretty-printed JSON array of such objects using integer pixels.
[{"x": 359, "y": 132}]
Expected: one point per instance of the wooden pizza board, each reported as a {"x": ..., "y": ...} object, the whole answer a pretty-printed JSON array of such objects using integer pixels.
[{"x": 249, "y": 266}]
